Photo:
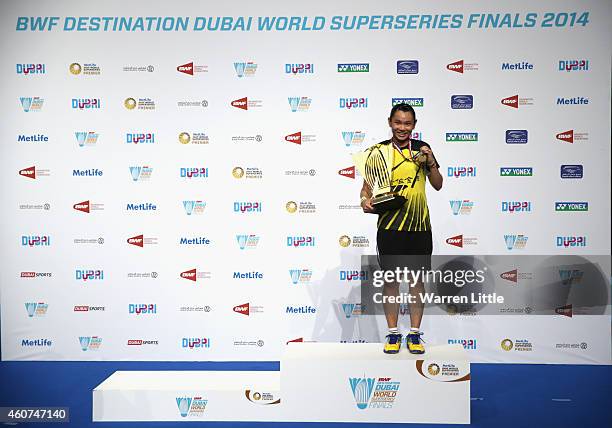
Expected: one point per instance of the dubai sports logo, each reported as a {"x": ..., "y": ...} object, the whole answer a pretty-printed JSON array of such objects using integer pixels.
[{"x": 362, "y": 390}]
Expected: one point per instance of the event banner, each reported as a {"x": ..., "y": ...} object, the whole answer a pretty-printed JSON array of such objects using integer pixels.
[{"x": 178, "y": 183}]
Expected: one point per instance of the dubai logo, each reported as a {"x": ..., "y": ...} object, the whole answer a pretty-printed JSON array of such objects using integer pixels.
[
  {"x": 300, "y": 276},
  {"x": 507, "y": 344},
  {"x": 344, "y": 241},
  {"x": 433, "y": 369},
  {"x": 261, "y": 397},
  {"x": 362, "y": 390},
  {"x": 352, "y": 309},
  {"x": 194, "y": 207},
  {"x": 141, "y": 173},
  {"x": 238, "y": 172},
  {"x": 463, "y": 207},
  {"x": 291, "y": 207},
  {"x": 90, "y": 343},
  {"x": 247, "y": 241},
  {"x": 130, "y": 103}
]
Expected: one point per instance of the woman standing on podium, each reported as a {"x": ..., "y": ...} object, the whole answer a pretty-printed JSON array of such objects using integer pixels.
[{"x": 405, "y": 231}]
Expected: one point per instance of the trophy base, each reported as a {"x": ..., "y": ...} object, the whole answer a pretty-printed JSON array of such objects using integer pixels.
[{"x": 387, "y": 202}]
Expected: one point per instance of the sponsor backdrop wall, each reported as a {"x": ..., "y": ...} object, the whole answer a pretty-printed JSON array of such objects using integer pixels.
[{"x": 177, "y": 181}]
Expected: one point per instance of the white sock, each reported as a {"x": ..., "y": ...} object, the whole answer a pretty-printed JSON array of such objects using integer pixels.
[
  {"x": 393, "y": 330},
  {"x": 415, "y": 329}
]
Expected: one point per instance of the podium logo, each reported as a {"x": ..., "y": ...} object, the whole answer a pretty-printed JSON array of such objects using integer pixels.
[
  {"x": 565, "y": 311},
  {"x": 514, "y": 101},
  {"x": 571, "y": 241},
  {"x": 299, "y": 69},
  {"x": 191, "y": 406},
  {"x": 299, "y": 103},
  {"x": 572, "y": 171},
  {"x": 461, "y": 207},
  {"x": 36, "y": 309},
  {"x": 195, "y": 342},
  {"x": 90, "y": 343},
  {"x": 141, "y": 241},
  {"x": 263, "y": 398},
  {"x": 247, "y": 242},
  {"x": 86, "y": 138},
  {"x": 516, "y": 136},
  {"x": 372, "y": 393},
  {"x": 515, "y": 242},
  {"x": 300, "y": 276},
  {"x": 354, "y": 68},
  {"x": 462, "y": 102},
  {"x": 31, "y": 104},
  {"x": 348, "y": 172},
  {"x": 408, "y": 67},
  {"x": 86, "y": 103},
  {"x": 245, "y": 69},
  {"x": 27, "y": 69},
  {"x": 190, "y": 69},
  {"x": 350, "y": 103}
]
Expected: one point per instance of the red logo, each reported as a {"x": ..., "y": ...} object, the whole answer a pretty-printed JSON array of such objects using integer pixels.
[
  {"x": 28, "y": 172},
  {"x": 136, "y": 240},
  {"x": 348, "y": 172},
  {"x": 456, "y": 66},
  {"x": 242, "y": 103},
  {"x": 28, "y": 274},
  {"x": 457, "y": 241},
  {"x": 186, "y": 68},
  {"x": 567, "y": 136},
  {"x": 294, "y": 138},
  {"x": 82, "y": 206},
  {"x": 189, "y": 274},
  {"x": 565, "y": 310},
  {"x": 511, "y": 275},
  {"x": 242, "y": 309},
  {"x": 512, "y": 101},
  {"x": 134, "y": 341},
  {"x": 81, "y": 308},
  {"x": 298, "y": 340}
]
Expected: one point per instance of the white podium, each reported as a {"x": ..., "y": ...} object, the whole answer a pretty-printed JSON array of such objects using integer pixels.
[
  {"x": 318, "y": 382},
  {"x": 329, "y": 382}
]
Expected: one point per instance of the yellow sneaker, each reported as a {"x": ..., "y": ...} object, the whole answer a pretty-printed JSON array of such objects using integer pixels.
[
  {"x": 414, "y": 342},
  {"x": 394, "y": 342}
]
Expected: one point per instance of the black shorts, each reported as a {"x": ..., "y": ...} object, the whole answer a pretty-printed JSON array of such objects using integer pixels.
[{"x": 404, "y": 249}]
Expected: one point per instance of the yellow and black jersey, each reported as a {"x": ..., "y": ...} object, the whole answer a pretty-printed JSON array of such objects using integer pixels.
[{"x": 413, "y": 216}]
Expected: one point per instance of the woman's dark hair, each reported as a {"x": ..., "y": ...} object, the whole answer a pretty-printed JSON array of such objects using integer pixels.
[{"x": 404, "y": 108}]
